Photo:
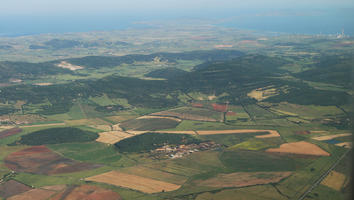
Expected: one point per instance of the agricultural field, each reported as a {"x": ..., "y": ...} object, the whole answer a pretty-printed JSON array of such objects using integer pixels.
[
  {"x": 250, "y": 116},
  {"x": 40, "y": 160},
  {"x": 86, "y": 192},
  {"x": 146, "y": 124}
]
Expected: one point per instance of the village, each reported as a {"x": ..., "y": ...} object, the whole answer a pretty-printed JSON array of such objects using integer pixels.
[{"x": 179, "y": 151}]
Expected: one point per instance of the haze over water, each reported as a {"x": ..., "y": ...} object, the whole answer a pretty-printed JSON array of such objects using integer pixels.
[{"x": 288, "y": 16}]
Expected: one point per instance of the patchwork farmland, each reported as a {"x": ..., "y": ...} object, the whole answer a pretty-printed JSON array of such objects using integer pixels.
[{"x": 41, "y": 160}]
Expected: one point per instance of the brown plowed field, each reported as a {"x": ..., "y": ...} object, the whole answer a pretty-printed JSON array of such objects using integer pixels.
[
  {"x": 302, "y": 148},
  {"x": 139, "y": 183},
  {"x": 41, "y": 160},
  {"x": 242, "y": 179},
  {"x": 35, "y": 194},
  {"x": 86, "y": 192},
  {"x": 11, "y": 188},
  {"x": 9, "y": 132}
]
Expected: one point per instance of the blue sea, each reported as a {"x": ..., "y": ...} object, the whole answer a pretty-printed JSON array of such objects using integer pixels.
[{"x": 285, "y": 21}]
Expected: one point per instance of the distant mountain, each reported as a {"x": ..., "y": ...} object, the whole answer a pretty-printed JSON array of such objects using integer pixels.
[
  {"x": 332, "y": 69},
  {"x": 111, "y": 61},
  {"x": 61, "y": 44}
]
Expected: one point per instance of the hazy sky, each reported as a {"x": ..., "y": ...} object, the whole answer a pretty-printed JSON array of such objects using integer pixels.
[{"x": 61, "y": 7}]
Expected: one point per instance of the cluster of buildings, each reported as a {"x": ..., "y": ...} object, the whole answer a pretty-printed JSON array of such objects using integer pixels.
[{"x": 178, "y": 151}]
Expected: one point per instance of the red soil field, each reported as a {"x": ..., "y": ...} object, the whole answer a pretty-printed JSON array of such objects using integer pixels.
[
  {"x": 197, "y": 105},
  {"x": 41, "y": 160},
  {"x": 219, "y": 107},
  {"x": 86, "y": 192},
  {"x": 11, "y": 188},
  {"x": 9, "y": 132}
]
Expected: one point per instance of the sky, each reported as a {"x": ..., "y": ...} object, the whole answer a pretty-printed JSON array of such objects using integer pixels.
[
  {"x": 84, "y": 7},
  {"x": 44, "y": 16}
]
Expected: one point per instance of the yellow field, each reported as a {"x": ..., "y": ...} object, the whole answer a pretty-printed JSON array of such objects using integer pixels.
[
  {"x": 345, "y": 144},
  {"x": 146, "y": 185},
  {"x": 159, "y": 117},
  {"x": 116, "y": 127},
  {"x": 262, "y": 93},
  {"x": 329, "y": 137},
  {"x": 303, "y": 148},
  {"x": 334, "y": 180},
  {"x": 112, "y": 137}
]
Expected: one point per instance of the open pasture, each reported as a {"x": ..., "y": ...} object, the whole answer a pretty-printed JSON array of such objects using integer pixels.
[
  {"x": 41, "y": 160},
  {"x": 251, "y": 144},
  {"x": 307, "y": 111},
  {"x": 92, "y": 152},
  {"x": 149, "y": 124},
  {"x": 134, "y": 182},
  {"x": 302, "y": 148},
  {"x": 254, "y": 161},
  {"x": 242, "y": 179},
  {"x": 192, "y": 113},
  {"x": 259, "y": 192},
  {"x": 86, "y": 192},
  {"x": 9, "y": 132}
]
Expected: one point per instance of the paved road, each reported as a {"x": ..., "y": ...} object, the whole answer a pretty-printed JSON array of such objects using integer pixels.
[{"x": 319, "y": 180}]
